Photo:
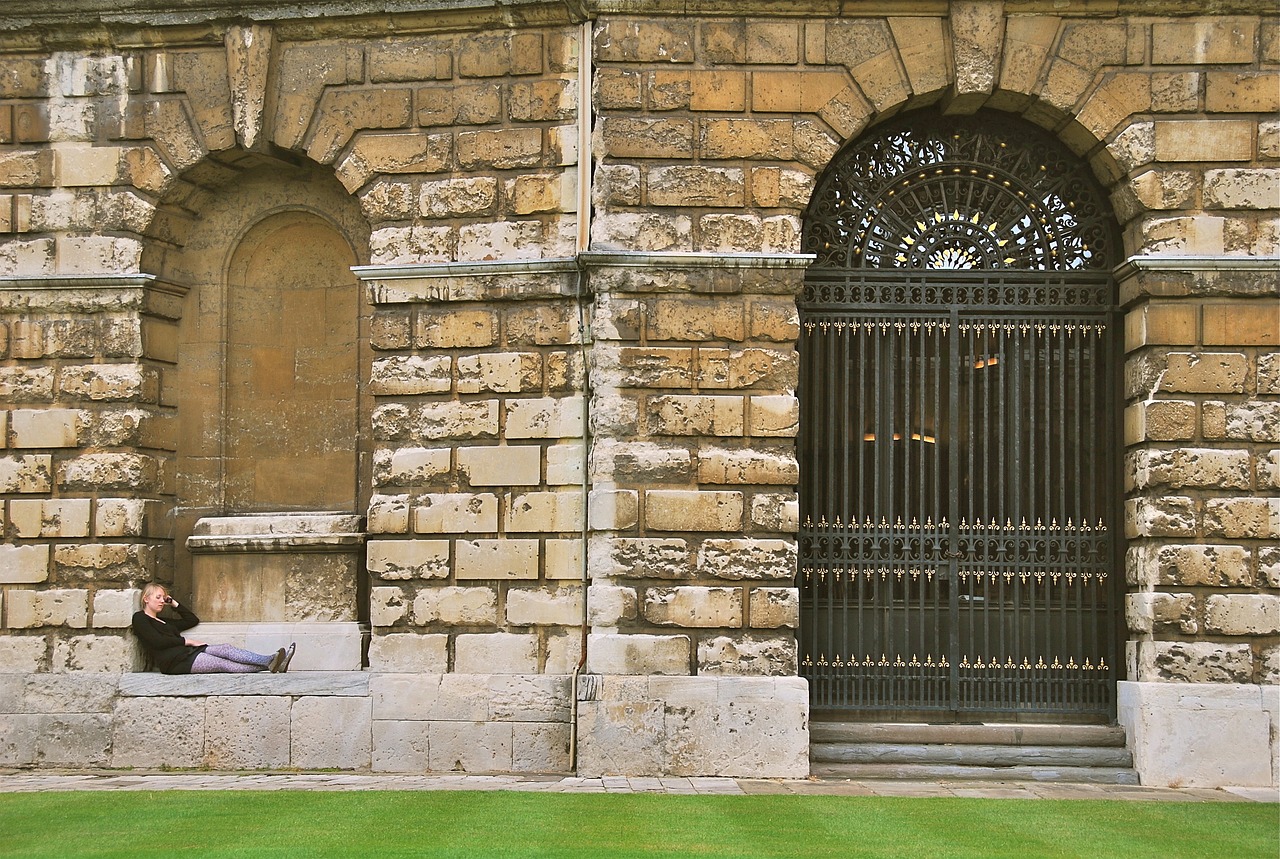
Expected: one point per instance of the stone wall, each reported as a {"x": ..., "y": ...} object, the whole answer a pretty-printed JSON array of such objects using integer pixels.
[{"x": 577, "y": 375}]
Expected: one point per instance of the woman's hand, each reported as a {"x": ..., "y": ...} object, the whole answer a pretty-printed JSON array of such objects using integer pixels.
[{"x": 191, "y": 643}]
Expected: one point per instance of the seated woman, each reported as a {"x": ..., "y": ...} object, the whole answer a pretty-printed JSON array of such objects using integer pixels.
[{"x": 173, "y": 654}]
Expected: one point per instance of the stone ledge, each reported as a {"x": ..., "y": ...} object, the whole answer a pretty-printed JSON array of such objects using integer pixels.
[{"x": 334, "y": 683}]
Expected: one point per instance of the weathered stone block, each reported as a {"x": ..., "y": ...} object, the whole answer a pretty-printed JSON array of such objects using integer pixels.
[
  {"x": 756, "y": 139},
  {"x": 50, "y": 518},
  {"x": 561, "y": 607},
  {"x": 455, "y": 329},
  {"x": 1198, "y": 140},
  {"x": 1204, "y": 565},
  {"x": 479, "y": 747},
  {"x": 696, "y": 415},
  {"x": 28, "y": 474},
  {"x": 1243, "y": 189},
  {"x": 1243, "y": 614},
  {"x": 746, "y": 559},
  {"x": 1207, "y": 42},
  {"x": 409, "y": 652},
  {"x": 613, "y": 510},
  {"x": 503, "y": 149},
  {"x": 387, "y": 605},
  {"x": 23, "y": 654},
  {"x": 103, "y": 561},
  {"x": 977, "y": 37},
  {"x": 1160, "y": 420},
  {"x": 723, "y": 466},
  {"x": 505, "y": 372},
  {"x": 456, "y": 606},
  {"x": 53, "y": 607},
  {"x": 691, "y": 510},
  {"x": 547, "y": 417},
  {"x": 244, "y": 732},
  {"x": 388, "y": 514},
  {"x": 545, "y": 511},
  {"x": 330, "y": 732},
  {"x": 157, "y": 732},
  {"x": 638, "y": 654},
  {"x": 96, "y": 654},
  {"x": 774, "y": 511},
  {"x": 109, "y": 471},
  {"x": 1205, "y": 373},
  {"x": 565, "y": 464},
  {"x": 457, "y": 512},
  {"x": 1148, "y": 612},
  {"x": 1169, "y": 516},
  {"x": 24, "y": 564},
  {"x": 564, "y": 559},
  {"x": 408, "y": 559},
  {"x": 496, "y": 559},
  {"x": 45, "y": 427},
  {"x": 608, "y": 605},
  {"x": 696, "y": 186},
  {"x": 1196, "y": 662},
  {"x": 114, "y": 609},
  {"x": 694, "y": 607},
  {"x": 496, "y": 653},
  {"x": 400, "y": 746},
  {"x": 640, "y": 557},
  {"x": 1237, "y": 518},
  {"x": 727, "y": 656},
  {"x": 408, "y": 466},
  {"x": 412, "y": 374}
]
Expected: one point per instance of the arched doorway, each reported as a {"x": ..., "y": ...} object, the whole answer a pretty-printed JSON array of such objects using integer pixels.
[{"x": 959, "y": 444}]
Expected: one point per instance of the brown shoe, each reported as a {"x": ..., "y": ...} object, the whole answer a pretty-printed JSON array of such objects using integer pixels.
[
  {"x": 288, "y": 657},
  {"x": 278, "y": 661}
]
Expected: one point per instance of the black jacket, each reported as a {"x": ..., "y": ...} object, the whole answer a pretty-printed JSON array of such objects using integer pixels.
[{"x": 163, "y": 641}]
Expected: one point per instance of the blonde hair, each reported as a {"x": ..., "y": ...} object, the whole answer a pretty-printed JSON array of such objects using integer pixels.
[{"x": 151, "y": 587}]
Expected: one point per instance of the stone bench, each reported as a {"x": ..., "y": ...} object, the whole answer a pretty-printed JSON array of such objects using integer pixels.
[
  {"x": 333, "y": 646},
  {"x": 331, "y": 683}
]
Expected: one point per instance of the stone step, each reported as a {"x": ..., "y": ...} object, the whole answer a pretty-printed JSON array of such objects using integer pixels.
[
  {"x": 984, "y": 734},
  {"x": 943, "y": 772},
  {"x": 971, "y": 754}
]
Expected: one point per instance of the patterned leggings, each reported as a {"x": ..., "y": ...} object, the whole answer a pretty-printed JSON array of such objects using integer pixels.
[{"x": 225, "y": 659}]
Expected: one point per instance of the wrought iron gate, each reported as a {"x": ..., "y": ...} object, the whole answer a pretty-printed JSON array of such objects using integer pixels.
[{"x": 958, "y": 476}]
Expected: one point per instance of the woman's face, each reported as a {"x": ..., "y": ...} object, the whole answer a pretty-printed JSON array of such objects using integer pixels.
[{"x": 154, "y": 601}]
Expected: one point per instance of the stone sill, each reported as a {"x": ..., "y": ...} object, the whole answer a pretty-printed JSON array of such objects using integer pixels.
[{"x": 335, "y": 683}]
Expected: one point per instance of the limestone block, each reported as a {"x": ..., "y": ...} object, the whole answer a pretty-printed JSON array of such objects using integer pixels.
[
  {"x": 452, "y": 198},
  {"x": 504, "y": 149},
  {"x": 775, "y": 511},
  {"x": 547, "y": 417},
  {"x": 113, "y": 609},
  {"x": 157, "y": 732},
  {"x": 66, "y": 693},
  {"x": 27, "y": 564},
  {"x": 1237, "y": 518},
  {"x": 565, "y": 464},
  {"x": 696, "y": 415},
  {"x": 696, "y": 726},
  {"x": 748, "y": 559},
  {"x": 744, "y": 368},
  {"x": 23, "y": 653},
  {"x": 638, "y": 654},
  {"x": 628, "y": 137},
  {"x": 977, "y": 39},
  {"x": 496, "y": 559},
  {"x": 388, "y": 514},
  {"x": 503, "y": 465},
  {"x": 495, "y": 653},
  {"x": 479, "y": 747},
  {"x": 1254, "y": 422},
  {"x": 540, "y": 747},
  {"x": 608, "y": 605},
  {"x": 26, "y": 384},
  {"x": 1198, "y": 140},
  {"x": 423, "y": 697},
  {"x": 445, "y": 513},
  {"x": 54, "y": 607},
  {"x": 1204, "y": 565},
  {"x": 1243, "y": 614},
  {"x": 506, "y": 372},
  {"x": 411, "y": 374},
  {"x": 690, "y": 510},
  {"x": 772, "y": 608},
  {"x": 1269, "y": 140},
  {"x": 774, "y": 415},
  {"x": 246, "y": 732},
  {"x": 545, "y": 511},
  {"x": 650, "y": 41},
  {"x": 1203, "y": 41},
  {"x": 1199, "y": 467},
  {"x": 1269, "y": 470},
  {"x": 1165, "y": 189},
  {"x": 1270, "y": 668},
  {"x": 642, "y": 232},
  {"x": 1205, "y": 372},
  {"x": 73, "y": 739},
  {"x": 125, "y": 517},
  {"x": 109, "y": 471},
  {"x": 1198, "y": 735},
  {"x": 747, "y": 656},
  {"x": 50, "y": 518},
  {"x": 408, "y": 559},
  {"x": 563, "y": 559},
  {"x": 409, "y": 652},
  {"x": 691, "y": 185},
  {"x": 455, "y": 420},
  {"x": 1147, "y": 612},
  {"x": 410, "y": 466},
  {"x": 756, "y": 139},
  {"x": 330, "y": 732},
  {"x": 564, "y": 652},
  {"x": 387, "y": 605},
  {"x": 613, "y": 509},
  {"x": 561, "y": 607},
  {"x": 45, "y": 427},
  {"x": 373, "y": 153},
  {"x": 694, "y": 607},
  {"x": 1167, "y": 516},
  {"x": 109, "y": 383},
  {"x": 1160, "y": 420},
  {"x": 456, "y": 606},
  {"x": 103, "y": 561},
  {"x": 18, "y": 737},
  {"x": 400, "y": 746},
  {"x": 640, "y": 461},
  {"x": 96, "y": 654},
  {"x": 1242, "y": 188},
  {"x": 639, "y": 557},
  {"x": 738, "y": 466},
  {"x": 1269, "y": 566},
  {"x": 27, "y": 474}
]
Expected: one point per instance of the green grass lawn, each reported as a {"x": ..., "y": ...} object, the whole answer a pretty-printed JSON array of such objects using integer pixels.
[{"x": 603, "y": 826}]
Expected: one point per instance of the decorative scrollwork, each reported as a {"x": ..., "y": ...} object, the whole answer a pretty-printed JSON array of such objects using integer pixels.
[{"x": 989, "y": 191}]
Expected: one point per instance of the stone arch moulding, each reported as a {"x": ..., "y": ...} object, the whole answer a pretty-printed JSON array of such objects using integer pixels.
[{"x": 272, "y": 455}]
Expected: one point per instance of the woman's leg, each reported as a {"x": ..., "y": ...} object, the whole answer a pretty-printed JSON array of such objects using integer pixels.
[{"x": 224, "y": 658}]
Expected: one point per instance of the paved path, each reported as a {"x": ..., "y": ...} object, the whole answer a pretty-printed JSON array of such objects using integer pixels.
[{"x": 20, "y": 781}]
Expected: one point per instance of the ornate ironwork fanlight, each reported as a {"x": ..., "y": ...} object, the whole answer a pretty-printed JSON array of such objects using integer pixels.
[{"x": 973, "y": 192}]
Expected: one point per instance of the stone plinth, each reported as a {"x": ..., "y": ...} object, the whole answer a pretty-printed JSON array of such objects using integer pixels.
[{"x": 277, "y": 567}]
